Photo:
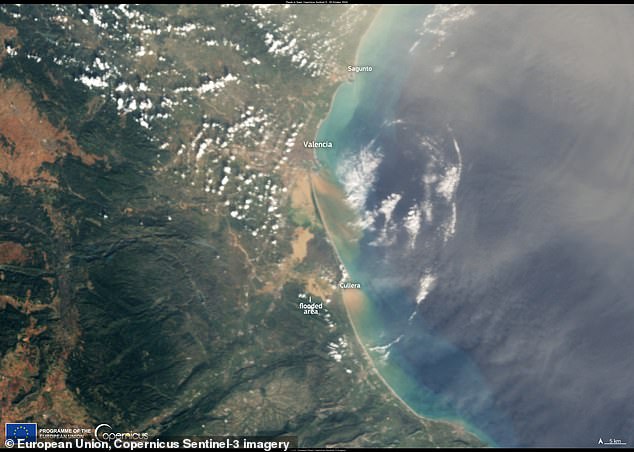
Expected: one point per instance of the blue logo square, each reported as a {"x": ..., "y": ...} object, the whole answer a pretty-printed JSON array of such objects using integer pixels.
[{"x": 26, "y": 432}]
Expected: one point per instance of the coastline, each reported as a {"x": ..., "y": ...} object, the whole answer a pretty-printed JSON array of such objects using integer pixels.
[
  {"x": 455, "y": 425},
  {"x": 361, "y": 299},
  {"x": 343, "y": 84},
  {"x": 358, "y": 298},
  {"x": 356, "y": 301}
]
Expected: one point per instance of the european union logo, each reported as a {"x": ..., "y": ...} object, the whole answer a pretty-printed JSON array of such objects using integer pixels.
[{"x": 27, "y": 432}]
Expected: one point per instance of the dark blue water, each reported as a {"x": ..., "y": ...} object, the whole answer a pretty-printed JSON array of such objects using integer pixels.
[{"x": 497, "y": 196}]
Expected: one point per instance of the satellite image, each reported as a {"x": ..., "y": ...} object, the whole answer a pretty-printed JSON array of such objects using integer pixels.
[{"x": 316, "y": 225}]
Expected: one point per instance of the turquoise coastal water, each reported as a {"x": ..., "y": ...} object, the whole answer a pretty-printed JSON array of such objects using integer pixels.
[
  {"x": 359, "y": 109},
  {"x": 393, "y": 24}
]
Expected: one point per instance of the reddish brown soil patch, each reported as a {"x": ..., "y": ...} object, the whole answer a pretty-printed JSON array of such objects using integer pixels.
[
  {"x": 29, "y": 140},
  {"x": 13, "y": 253},
  {"x": 21, "y": 372}
]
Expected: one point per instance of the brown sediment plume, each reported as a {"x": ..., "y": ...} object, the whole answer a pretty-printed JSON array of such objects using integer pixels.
[
  {"x": 354, "y": 300},
  {"x": 301, "y": 193},
  {"x": 300, "y": 243},
  {"x": 28, "y": 140},
  {"x": 319, "y": 287},
  {"x": 323, "y": 186},
  {"x": 300, "y": 200},
  {"x": 339, "y": 219}
]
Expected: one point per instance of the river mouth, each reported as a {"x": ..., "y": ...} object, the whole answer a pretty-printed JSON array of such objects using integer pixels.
[{"x": 488, "y": 167}]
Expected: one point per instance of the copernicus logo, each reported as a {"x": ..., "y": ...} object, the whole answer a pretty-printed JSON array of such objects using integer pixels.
[
  {"x": 104, "y": 432},
  {"x": 20, "y": 433}
]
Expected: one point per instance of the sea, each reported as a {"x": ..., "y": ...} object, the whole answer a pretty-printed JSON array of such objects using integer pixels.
[{"x": 486, "y": 179}]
